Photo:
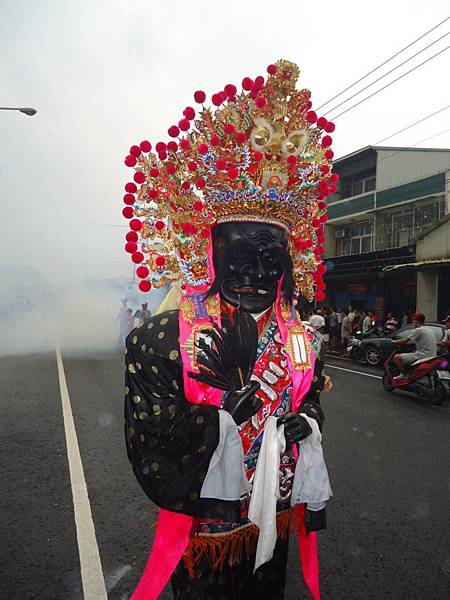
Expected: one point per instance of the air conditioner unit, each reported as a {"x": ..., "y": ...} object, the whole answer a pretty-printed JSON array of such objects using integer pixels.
[{"x": 340, "y": 233}]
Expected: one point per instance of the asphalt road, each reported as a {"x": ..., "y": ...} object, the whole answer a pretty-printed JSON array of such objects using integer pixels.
[{"x": 388, "y": 458}]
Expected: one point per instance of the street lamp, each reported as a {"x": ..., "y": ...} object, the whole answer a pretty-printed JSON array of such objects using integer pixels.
[{"x": 26, "y": 111}]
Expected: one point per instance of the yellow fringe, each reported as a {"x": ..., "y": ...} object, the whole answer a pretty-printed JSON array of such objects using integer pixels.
[{"x": 229, "y": 548}]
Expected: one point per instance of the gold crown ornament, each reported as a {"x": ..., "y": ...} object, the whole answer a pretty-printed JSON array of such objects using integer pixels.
[{"x": 260, "y": 154}]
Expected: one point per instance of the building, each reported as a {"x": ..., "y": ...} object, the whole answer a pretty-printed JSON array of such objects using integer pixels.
[{"x": 384, "y": 240}]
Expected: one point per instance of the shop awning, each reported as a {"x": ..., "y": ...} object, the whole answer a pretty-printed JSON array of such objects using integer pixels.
[{"x": 419, "y": 265}]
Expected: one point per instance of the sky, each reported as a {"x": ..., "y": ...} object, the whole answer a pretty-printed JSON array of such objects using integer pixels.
[{"x": 105, "y": 74}]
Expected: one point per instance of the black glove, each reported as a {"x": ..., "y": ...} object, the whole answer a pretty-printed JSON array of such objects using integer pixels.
[
  {"x": 242, "y": 405},
  {"x": 296, "y": 428},
  {"x": 315, "y": 520}
]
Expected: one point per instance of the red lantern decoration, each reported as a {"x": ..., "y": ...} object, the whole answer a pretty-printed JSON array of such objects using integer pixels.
[
  {"x": 142, "y": 272},
  {"x": 131, "y": 236},
  {"x": 145, "y": 285},
  {"x": 139, "y": 177},
  {"x": 130, "y": 247},
  {"x": 137, "y": 257},
  {"x": 200, "y": 97},
  {"x": 135, "y": 225},
  {"x": 145, "y": 146},
  {"x": 130, "y": 161}
]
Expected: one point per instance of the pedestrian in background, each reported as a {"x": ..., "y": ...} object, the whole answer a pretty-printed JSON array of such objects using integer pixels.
[
  {"x": 333, "y": 322},
  {"x": 367, "y": 323},
  {"x": 346, "y": 329},
  {"x": 391, "y": 323}
]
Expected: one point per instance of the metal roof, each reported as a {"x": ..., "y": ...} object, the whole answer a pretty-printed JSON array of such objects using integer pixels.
[
  {"x": 367, "y": 149},
  {"x": 422, "y": 263}
]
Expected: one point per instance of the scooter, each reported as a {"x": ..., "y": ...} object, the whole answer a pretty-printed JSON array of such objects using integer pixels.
[{"x": 427, "y": 378}]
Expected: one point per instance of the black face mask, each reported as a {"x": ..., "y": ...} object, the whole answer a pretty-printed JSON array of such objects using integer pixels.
[{"x": 249, "y": 260}]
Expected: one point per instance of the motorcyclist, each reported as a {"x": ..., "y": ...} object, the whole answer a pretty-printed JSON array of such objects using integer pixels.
[
  {"x": 425, "y": 342},
  {"x": 445, "y": 342}
]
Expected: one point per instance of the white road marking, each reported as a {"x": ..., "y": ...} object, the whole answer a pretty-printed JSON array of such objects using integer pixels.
[
  {"x": 94, "y": 587},
  {"x": 352, "y": 371}
]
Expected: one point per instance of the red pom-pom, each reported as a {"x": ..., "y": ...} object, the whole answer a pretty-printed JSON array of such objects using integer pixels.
[
  {"x": 160, "y": 261},
  {"x": 309, "y": 105},
  {"x": 203, "y": 148},
  {"x": 259, "y": 81},
  {"x": 131, "y": 236},
  {"x": 334, "y": 177},
  {"x": 160, "y": 147},
  {"x": 299, "y": 244},
  {"x": 217, "y": 99},
  {"x": 137, "y": 257},
  {"x": 311, "y": 117},
  {"x": 221, "y": 165},
  {"x": 171, "y": 169},
  {"x": 322, "y": 205},
  {"x": 319, "y": 250},
  {"x": 327, "y": 141},
  {"x": 145, "y": 146},
  {"x": 172, "y": 146},
  {"x": 130, "y": 247},
  {"x": 330, "y": 127},
  {"x": 319, "y": 296},
  {"x": 200, "y": 97},
  {"x": 186, "y": 186},
  {"x": 272, "y": 69},
  {"x": 322, "y": 269},
  {"x": 192, "y": 166},
  {"x": 184, "y": 124},
  {"x": 130, "y": 161},
  {"x": 162, "y": 156},
  {"x": 323, "y": 218},
  {"x": 230, "y": 90},
  {"x": 315, "y": 222},
  {"x": 233, "y": 173},
  {"x": 185, "y": 145},
  {"x": 145, "y": 286},
  {"x": 128, "y": 199},
  {"x": 329, "y": 154},
  {"x": 200, "y": 183},
  {"x": 153, "y": 194},
  {"x": 135, "y": 225},
  {"x": 198, "y": 206},
  {"x": 291, "y": 160},
  {"x": 247, "y": 84},
  {"x": 189, "y": 113},
  {"x": 154, "y": 172},
  {"x": 215, "y": 140},
  {"x": 204, "y": 233},
  {"x": 173, "y": 131},
  {"x": 258, "y": 156},
  {"x": 240, "y": 137},
  {"x": 322, "y": 122},
  {"x": 159, "y": 225},
  {"x": 321, "y": 285},
  {"x": 130, "y": 187},
  {"x": 325, "y": 169},
  {"x": 139, "y": 177},
  {"x": 260, "y": 102},
  {"x": 332, "y": 188},
  {"x": 135, "y": 151},
  {"x": 142, "y": 272},
  {"x": 228, "y": 128},
  {"x": 128, "y": 212}
]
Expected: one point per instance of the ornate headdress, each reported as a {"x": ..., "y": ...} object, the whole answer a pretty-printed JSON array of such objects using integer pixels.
[{"x": 258, "y": 155}]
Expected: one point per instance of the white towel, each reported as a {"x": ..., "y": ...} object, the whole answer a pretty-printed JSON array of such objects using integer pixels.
[
  {"x": 311, "y": 483},
  {"x": 266, "y": 490}
]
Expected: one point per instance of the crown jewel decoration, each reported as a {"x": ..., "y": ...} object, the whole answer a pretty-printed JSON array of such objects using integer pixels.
[{"x": 258, "y": 155}]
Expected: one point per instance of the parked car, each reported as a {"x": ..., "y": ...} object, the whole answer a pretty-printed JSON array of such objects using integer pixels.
[{"x": 375, "y": 349}]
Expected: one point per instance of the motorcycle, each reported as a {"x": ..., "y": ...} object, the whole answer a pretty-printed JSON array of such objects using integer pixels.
[
  {"x": 428, "y": 379},
  {"x": 354, "y": 341}
]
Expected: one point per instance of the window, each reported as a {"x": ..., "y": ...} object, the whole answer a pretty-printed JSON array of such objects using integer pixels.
[
  {"x": 360, "y": 183},
  {"x": 410, "y": 222},
  {"x": 354, "y": 239}
]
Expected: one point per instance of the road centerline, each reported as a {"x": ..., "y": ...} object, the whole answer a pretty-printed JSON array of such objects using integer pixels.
[
  {"x": 352, "y": 371},
  {"x": 93, "y": 581}
]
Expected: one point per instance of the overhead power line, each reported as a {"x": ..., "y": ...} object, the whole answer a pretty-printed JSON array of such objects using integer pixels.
[
  {"x": 386, "y": 74},
  {"x": 390, "y": 83},
  {"x": 383, "y": 63},
  {"x": 412, "y": 125}
]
